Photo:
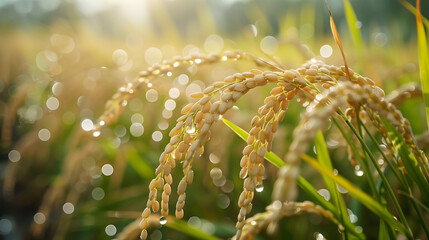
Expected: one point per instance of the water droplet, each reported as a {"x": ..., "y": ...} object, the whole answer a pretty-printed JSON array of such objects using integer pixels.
[
  {"x": 96, "y": 133},
  {"x": 359, "y": 173},
  {"x": 191, "y": 130},
  {"x": 163, "y": 220},
  {"x": 259, "y": 188}
]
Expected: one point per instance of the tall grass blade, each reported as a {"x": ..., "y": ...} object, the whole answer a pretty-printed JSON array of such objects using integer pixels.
[
  {"x": 276, "y": 161},
  {"x": 354, "y": 30},
  {"x": 361, "y": 196},
  {"x": 189, "y": 230},
  {"x": 412, "y": 9},
  {"x": 423, "y": 58},
  {"x": 325, "y": 160}
]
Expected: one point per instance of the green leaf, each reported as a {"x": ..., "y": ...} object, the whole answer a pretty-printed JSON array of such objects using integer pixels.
[
  {"x": 423, "y": 58},
  {"x": 325, "y": 160},
  {"x": 278, "y": 162},
  {"x": 361, "y": 196},
  {"x": 352, "y": 23},
  {"x": 139, "y": 164},
  {"x": 189, "y": 230},
  {"x": 412, "y": 9}
]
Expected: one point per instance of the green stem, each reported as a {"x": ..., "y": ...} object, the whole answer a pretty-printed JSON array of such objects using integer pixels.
[
  {"x": 401, "y": 181},
  {"x": 383, "y": 178},
  {"x": 364, "y": 164}
]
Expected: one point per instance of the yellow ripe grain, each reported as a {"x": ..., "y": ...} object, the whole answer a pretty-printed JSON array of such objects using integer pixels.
[
  {"x": 223, "y": 107},
  {"x": 239, "y": 87},
  {"x": 226, "y": 97},
  {"x": 311, "y": 72},
  {"x": 197, "y": 95},
  {"x": 268, "y": 99},
  {"x": 261, "y": 151},
  {"x": 244, "y": 161},
  {"x": 243, "y": 172},
  {"x": 261, "y": 136},
  {"x": 195, "y": 107},
  {"x": 179, "y": 214},
  {"x": 254, "y": 121},
  {"x": 250, "y": 83},
  {"x": 155, "y": 206},
  {"x": 183, "y": 147},
  {"x": 218, "y": 84},
  {"x": 229, "y": 79},
  {"x": 143, "y": 234},
  {"x": 254, "y": 131},
  {"x": 182, "y": 187},
  {"x": 167, "y": 169},
  {"x": 200, "y": 125},
  {"x": 239, "y": 76},
  {"x": 190, "y": 176},
  {"x": 204, "y": 100},
  {"x": 152, "y": 184},
  {"x": 186, "y": 108},
  {"x": 206, "y": 107},
  {"x": 199, "y": 117},
  {"x": 249, "y": 185},
  {"x": 271, "y": 77},
  {"x": 247, "y": 150},
  {"x": 326, "y": 85},
  {"x": 168, "y": 179},
  {"x": 214, "y": 107},
  {"x": 160, "y": 183},
  {"x": 256, "y": 71},
  {"x": 252, "y": 157},
  {"x": 167, "y": 189},
  {"x": 253, "y": 171},
  {"x": 248, "y": 74},
  {"x": 276, "y": 90},
  {"x": 289, "y": 74},
  {"x": 169, "y": 148},
  {"x": 146, "y": 213},
  {"x": 250, "y": 139},
  {"x": 180, "y": 204}
]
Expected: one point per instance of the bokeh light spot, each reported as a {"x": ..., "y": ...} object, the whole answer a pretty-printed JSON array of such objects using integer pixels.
[
  {"x": 152, "y": 95},
  {"x": 326, "y": 51},
  {"x": 14, "y": 156},
  {"x": 157, "y": 136},
  {"x": 68, "y": 208},
  {"x": 136, "y": 129},
  {"x": 44, "y": 134},
  {"x": 269, "y": 44},
  {"x": 107, "y": 169}
]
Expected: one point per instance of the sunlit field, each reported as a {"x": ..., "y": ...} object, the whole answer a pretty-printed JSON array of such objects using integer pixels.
[{"x": 205, "y": 119}]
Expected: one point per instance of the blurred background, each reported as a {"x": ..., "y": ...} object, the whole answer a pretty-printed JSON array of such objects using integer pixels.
[{"x": 60, "y": 61}]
